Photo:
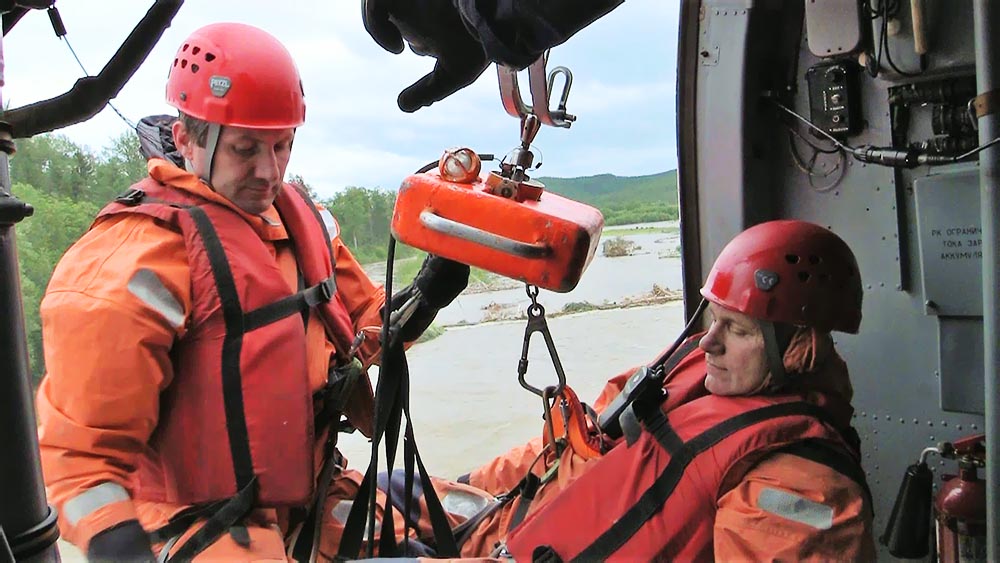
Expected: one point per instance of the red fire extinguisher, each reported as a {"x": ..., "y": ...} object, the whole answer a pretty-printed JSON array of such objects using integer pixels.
[
  {"x": 959, "y": 508},
  {"x": 960, "y": 505}
]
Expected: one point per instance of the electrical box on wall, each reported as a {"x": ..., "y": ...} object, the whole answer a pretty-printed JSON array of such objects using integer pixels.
[
  {"x": 833, "y": 27},
  {"x": 834, "y": 98},
  {"x": 949, "y": 234}
]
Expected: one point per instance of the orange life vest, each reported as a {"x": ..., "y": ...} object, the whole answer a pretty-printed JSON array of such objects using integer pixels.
[
  {"x": 655, "y": 498},
  {"x": 238, "y": 415}
]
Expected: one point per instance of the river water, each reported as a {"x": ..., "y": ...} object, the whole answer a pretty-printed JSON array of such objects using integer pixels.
[{"x": 605, "y": 280}]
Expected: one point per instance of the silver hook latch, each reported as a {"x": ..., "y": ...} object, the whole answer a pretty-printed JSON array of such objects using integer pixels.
[{"x": 541, "y": 86}]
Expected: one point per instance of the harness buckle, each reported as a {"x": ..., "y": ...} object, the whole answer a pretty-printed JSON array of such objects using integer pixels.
[
  {"x": 133, "y": 196},
  {"x": 327, "y": 288}
]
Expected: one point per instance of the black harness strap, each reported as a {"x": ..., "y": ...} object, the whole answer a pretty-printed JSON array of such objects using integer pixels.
[
  {"x": 183, "y": 520},
  {"x": 340, "y": 384},
  {"x": 224, "y": 519},
  {"x": 301, "y": 301},
  {"x": 659, "y": 491},
  {"x": 670, "y": 362},
  {"x": 658, "y": 425},
  {"x": 391, "y": 402},
  {"x": 526, "y": 492},
  {"x": 232, "y": 378},
  {"x": 227, "y": 514}
]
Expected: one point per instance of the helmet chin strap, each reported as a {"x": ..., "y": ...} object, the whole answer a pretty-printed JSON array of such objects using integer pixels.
[
  {"x": 211, "y": 143},
  {"x": 775, "y": 355}
]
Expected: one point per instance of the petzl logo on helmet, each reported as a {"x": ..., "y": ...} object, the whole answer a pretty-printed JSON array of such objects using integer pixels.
[
  {"x": 219, "y": 85},
  {"x": 765, "y": 280}
]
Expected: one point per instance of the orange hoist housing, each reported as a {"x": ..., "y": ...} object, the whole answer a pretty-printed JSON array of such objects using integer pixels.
[{"x": 512, "y": 228}]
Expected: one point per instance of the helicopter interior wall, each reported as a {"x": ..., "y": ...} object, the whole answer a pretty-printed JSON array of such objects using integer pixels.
[{"x": 908, "y": 364}]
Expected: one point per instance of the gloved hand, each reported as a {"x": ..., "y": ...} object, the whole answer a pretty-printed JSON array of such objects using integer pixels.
[
  {"x": 466, "y": 35},
  {"x": 441, "y": 280},
  {"x": 126, "y": 542},
  {"x": 434, "y": 28}
]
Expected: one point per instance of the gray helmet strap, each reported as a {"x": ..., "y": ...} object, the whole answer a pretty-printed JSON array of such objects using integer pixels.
[
  {"x": 775, "y": 355},
  {"x": 211, "y": 143}
]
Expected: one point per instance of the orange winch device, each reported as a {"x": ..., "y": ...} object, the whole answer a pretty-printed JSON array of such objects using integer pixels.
[{"x": 503, "y": 222}]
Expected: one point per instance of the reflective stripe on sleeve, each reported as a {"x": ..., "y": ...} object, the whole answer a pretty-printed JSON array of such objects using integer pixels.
[
  {"x": 798, "y": 509},
  {"x": 148, "y": 288},
  {"x": 85, "y": 503},
  {"x": 332, "y": 228}
]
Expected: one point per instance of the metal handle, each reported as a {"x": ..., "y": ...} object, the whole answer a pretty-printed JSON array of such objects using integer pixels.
[{"x": 448, "y": 227}]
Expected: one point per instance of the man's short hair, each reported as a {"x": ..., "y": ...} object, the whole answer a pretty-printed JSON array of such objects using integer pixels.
[{"x": 197, "y": 128}]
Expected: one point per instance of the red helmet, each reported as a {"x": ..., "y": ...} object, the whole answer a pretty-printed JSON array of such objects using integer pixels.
[
  {"x": 790, "y": 272},
  {"x": 236, "y": 74}
]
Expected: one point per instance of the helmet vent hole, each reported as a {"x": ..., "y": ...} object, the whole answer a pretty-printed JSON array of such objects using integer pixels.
[
  {"x": 195, "y": 50},
  {"x": 791, "y": 258},
  {"x": 194, "y": 67},
  {"x": 184, "y": 63},
  {"x": 814, "y": 260},
  {"x": 209, "y": 57},
  {"x": 804, "y": 276},
  {"x": 175, "y": 62},
  {"x": 185, "y": 47}
]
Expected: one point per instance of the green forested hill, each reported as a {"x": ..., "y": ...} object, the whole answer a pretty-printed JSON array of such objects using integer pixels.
[{"x": 622, "y": 199}]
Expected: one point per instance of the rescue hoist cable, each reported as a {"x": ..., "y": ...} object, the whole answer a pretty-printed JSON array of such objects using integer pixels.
[{"x": 60, "y": 30}]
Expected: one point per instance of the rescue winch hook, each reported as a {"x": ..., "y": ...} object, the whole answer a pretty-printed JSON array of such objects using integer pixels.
[
  {"x": 536, "y": 323},
  {"x": 541, "y": 87}
]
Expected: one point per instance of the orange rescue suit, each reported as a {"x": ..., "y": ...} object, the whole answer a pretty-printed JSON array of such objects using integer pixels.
[
  {"x": 127, "y": 430},
  {"x": 714, "y": 502}
]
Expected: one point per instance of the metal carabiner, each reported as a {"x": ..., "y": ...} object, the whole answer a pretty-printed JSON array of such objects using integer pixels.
[
  {"x": 560, "y": 118},
  {"x": 536, "y": 323},
  {"x": 541, "y": 87},
  {"x": 541, "y": 93}
]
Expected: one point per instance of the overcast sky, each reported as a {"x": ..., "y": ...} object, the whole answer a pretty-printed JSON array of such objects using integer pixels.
[{"x": 623, "y": 88}]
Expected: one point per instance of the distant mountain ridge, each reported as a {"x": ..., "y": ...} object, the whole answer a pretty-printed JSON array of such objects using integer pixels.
[{"x": 623, "y": 199}]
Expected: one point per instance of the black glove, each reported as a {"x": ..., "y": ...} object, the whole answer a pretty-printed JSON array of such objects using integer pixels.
[
  {"x": 441, "y": 280},
  {"x": 517, "y": 32},
  {"x": 126, "y": 542},
  {"x": 434, "y": 28},
  {"x": 466, "y": 35}
]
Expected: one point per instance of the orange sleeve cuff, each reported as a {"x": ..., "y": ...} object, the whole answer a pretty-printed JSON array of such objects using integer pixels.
[{"x": 96, "y": 522}]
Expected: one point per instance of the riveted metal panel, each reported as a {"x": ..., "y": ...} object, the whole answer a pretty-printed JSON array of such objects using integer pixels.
[
  {"x": 960, "y": 364},
  {"x": 950, "y": 239}
]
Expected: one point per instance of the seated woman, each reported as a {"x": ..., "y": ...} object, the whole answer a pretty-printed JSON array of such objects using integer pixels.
[{"x": 742, "y": 450}]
